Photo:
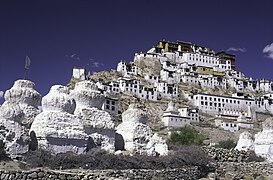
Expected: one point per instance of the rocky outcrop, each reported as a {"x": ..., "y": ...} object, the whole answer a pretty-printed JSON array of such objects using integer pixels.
[
  {"x": 263, "y": 143},
  {"x": 56, "y": 128},
  {"x": 16, "y": 115},
  {"x": 137, "y": 136},
  {"x": 97, "y": 123},
  {"x": 245, "y": 142}
]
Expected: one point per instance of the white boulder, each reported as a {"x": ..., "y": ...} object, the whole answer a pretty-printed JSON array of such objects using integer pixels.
[
  {"x": 97, "y": 123},
  {"x": 138, "y": 138},
  {"x": 245, "y": 142},
  {"x": 263, "y": 143},
  {"x": 87, "y": 94},
  {"x": 16, "y": 115},
  {"x": 56, "y": 128}
]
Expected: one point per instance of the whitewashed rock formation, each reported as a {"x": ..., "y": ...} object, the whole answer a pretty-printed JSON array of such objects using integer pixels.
[
  {"x": 16, "y": 115},
  {"x": 138, "y": 137},
  {"x": 157, "y": 145},
  {"x": 86, "y": 94},
  {"x": 245, "y": 142},
  {"x": 263, "y": 143},
  {"x": 56, "y": 128},
  {"x": 97, "y": 123}
]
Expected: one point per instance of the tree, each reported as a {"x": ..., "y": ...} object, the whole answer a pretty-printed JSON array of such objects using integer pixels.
[
  {"x": 187, "y": 135},
  {"x": 226, "y": 144}
]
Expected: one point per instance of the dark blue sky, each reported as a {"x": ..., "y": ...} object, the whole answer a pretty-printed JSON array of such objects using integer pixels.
[{"x": 106, "y": 31}]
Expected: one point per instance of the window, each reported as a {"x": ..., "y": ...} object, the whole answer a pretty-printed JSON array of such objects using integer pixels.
[
  {"x": 113, "y": 103},
  {"x": 107, "y": 107}
]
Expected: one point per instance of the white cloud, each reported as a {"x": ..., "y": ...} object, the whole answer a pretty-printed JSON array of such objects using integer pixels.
[
  {"x": 237, "y": 49},
  {"x": 1, "y": 94},
  {"x": 95, "y": 63},
  {"x": 268, "y": 51},
  {"x": 73, "y": 56}
]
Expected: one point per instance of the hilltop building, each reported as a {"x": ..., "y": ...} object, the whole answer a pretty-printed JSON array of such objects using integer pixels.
[{"x": 198, "y": 66}]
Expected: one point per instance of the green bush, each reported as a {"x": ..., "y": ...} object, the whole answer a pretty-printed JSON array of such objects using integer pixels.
[
  {"x": 187, "y": 135},
  {"x": 226, "y": 144}
]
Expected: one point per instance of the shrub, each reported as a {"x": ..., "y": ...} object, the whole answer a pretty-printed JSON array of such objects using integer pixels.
[
  {"x": 38, "y": 158},
  {"x": 98, "y": 159},
  {"x": 3, "y": 155},
  {"x": 187, "y": 135},
  {"x": 226, "y": 144}
]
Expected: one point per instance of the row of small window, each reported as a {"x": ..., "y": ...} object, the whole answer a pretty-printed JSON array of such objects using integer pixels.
[
  {"x": 225, "y": 67},
  {"x": 227, "y": 125},
  {"x": 223, "y": 100},
  {"x": 115, "y": 90},
  {"x": 210, "y": 104},
  {"x": 151, "y": 77},
  {"x": 147, "y": 97},
  {"x": 205, "y": 57},
  {"x": 169, "y": 92},
  {"x": 110, "y": 102},
  {"x": 175, "y": 119},
  {"x": 130, "y": 85},
  {"x": 206, "y": 61}
]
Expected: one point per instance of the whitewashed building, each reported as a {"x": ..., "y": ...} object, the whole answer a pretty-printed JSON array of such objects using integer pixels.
[
  {"x": 213, "y": 104},
  {"x": 234, "y": 123},
  {"x": 79, "y": 73},
  {"x": 129, "y": 68},
  {"x": 167, "y": 90},
  {"x": 171, "y": 117},
  {"x": 191, "y": 113}
]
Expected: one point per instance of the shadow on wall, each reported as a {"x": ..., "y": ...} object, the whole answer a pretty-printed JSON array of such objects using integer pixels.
[
  {"x": 90, "y": 144},
  {"x": 119, "y": 142},
  {"x": 33, "y": 143}
]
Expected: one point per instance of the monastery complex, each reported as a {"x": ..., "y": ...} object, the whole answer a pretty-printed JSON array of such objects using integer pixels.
[{"x": 182, "y": 63}]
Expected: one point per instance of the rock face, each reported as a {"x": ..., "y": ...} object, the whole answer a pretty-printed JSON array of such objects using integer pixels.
[
  {"x": 16, "y": 115},
  {"x": 56, "y": 128},
  {"x": 97, "y": 123},
  {"x": 246, "y": 142},
  {"x": 263, "y": 143},
  {"x": 138, "y": 138}
]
